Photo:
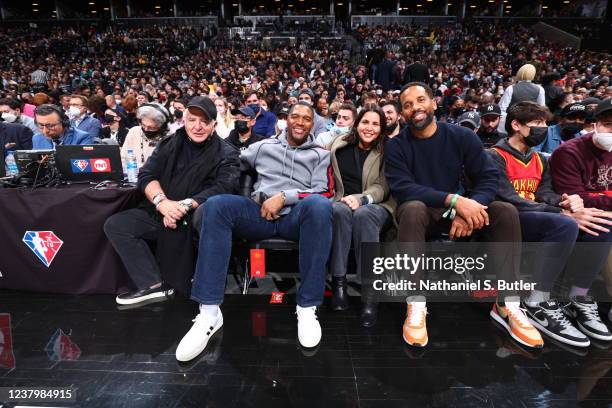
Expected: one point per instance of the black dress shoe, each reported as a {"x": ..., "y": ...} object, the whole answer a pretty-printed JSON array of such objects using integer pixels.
[
  {"x": 142, "y": 295},
  {"x": 369, "y": 314},
  {"x": 339, "y": 299}
]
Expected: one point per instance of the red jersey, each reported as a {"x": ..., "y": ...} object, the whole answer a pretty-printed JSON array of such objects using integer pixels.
[{"x": 524, "y": 177}]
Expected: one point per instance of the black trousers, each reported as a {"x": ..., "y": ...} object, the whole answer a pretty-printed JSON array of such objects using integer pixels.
[{"x": 128, "y": 232}]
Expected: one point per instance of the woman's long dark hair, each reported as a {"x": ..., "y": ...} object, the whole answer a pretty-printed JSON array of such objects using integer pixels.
[{"x": 352, "y": 137}]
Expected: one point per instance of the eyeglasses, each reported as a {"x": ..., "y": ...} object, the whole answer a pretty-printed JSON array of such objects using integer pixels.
[
  {"x": 78, "y": 105},
  {"x": 47, "y": 126}
]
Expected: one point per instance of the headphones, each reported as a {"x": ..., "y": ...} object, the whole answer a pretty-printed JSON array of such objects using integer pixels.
[
  {"x": 163, "y": 111},
  {"x": 63, "y": 117}
]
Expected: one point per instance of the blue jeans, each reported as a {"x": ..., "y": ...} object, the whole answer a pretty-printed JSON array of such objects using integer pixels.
[{"x": 309, "y": 223}]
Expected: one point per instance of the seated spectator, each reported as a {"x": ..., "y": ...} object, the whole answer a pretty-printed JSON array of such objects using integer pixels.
[
  {"x": 177, "y": 109},
  {"x": 344, "y": 123},
  {"x": 490, "y": 116},
  {"x": 362, "y": 207},
  {"x": 55, "y": 129},
  {"x": 545, "y": 216},
  {"x": 242, "y": 135},
  {"x": 114, "y": 129},
  {"x": 470, "y": 120},
  {"x": 282, "y": 114},
  {"x": 264, "y": 124},
  {"x": 582, "y": 166},
  {"x": 290, "y": 201},
  {"x": 11, "y": 113},
  {"x": 143, "y": 139},
  {"x": 79, "y": 118},
  {"x": 14, "y": 136},
  {"x": 225, "y": 121},
  {"x": 424, "y": 166},
  {"x": 572, "y": 121},
  {"x": 392, "y": 119},
  {"x": 184, "y": 171}
]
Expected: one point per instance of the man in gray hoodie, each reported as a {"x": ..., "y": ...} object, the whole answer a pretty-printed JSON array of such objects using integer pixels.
[{"x": 291, "y": 201}]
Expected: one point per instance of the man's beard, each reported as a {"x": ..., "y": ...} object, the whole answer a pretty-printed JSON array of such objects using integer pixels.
[
  {"x": 423, "y": 123},
  {"x": 391, "y": 128}
]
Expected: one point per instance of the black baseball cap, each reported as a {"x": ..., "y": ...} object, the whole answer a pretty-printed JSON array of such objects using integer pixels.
[
  {"x": 204, "y": 104},
  {"x": 603, "y": 107},
  {"x": 245, "y": 110},
  {"x": 490, "y": 109},
  {"x": 576, "y": 108}
]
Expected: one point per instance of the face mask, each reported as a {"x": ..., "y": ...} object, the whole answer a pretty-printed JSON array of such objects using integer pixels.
[
  {"x": 537, "y": 134},
  {"x": 171, "y": 110},
  {"x": 73, "y": 112},
  {"x": 151, "y": 134},
  {"x": 241, "y": 126},
  {"x": 255, "y": 107},
  {"x": 109, "y": 118},
  {"x": 603, "y": 140},
  {"x": 569, "y": 130},
  {"x": 178, "y": 113},
  {"x": 338, "y": 130},
  {"x": 9, "y": 117},
  {"x": 118, "y": 101},
  {"x": 282, "y": 124}
]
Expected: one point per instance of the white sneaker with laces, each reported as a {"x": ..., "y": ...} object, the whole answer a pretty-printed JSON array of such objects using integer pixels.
[
  {"x": 196, "y": 339},
  {"x": 309, "y": 329}
]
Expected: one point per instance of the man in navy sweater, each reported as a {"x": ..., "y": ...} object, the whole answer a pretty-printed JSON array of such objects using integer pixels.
[{"x": 425, "y": 166}]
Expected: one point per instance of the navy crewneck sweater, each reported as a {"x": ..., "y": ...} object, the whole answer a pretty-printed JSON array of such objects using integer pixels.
[{"x": 429, "y": 169}]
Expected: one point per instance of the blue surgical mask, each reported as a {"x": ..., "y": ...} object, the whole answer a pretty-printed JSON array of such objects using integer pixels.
[
  {"x": 255, "y": 107},
  {"x": 339, "y": 130}
]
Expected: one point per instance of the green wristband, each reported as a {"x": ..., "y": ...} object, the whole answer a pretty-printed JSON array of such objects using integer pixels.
[{"x": 451, "y": 212}]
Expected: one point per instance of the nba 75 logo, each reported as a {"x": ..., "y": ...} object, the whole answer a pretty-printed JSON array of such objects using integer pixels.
[
  {"x": 44, "y": 244},
  {"x": 80, "y": 164}
]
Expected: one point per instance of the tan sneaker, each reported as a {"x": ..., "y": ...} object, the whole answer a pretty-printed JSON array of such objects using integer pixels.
[
  {"x": 514, "y": 320},
  {"x": 415, "y": 328}
]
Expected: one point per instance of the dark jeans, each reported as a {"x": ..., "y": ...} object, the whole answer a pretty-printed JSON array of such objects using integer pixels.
[
  {"x": 557, "y": 233},
  {"x": 589, "y": 257},
  {"x": 417, "y": 222},
  {"x": 128, "y": 232},
  {"x": 361, "y": 225},
  {"x": 309, "y": 223}
]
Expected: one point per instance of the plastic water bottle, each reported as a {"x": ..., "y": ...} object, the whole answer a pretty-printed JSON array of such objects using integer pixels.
[
  {"x": 132, "y": 167},
  {"x": 11, "y": 164}
]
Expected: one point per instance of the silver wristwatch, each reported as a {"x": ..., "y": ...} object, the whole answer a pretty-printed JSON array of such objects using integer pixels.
[{"x": 187, "y": 203}]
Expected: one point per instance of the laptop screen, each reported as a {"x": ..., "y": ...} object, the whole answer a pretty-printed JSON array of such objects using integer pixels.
[{"x": 89, "y": 162}]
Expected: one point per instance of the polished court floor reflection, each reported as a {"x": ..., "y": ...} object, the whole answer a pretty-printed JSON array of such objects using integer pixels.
[{"x": 125, "y": 358}]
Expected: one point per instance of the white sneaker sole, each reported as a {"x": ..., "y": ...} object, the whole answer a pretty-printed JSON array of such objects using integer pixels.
[
  {"x": 555, "y": 336},
  {"x": 154, "y": 295},
  {"x": 591, "y": 334},
  {"x": 199, "y": 350},
  {"x": 505, "y": 325}
]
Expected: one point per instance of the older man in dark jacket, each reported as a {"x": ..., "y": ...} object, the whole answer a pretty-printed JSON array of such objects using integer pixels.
[
  {"x": 14, "y": 136},
  {"x": 182, "y": 173}
]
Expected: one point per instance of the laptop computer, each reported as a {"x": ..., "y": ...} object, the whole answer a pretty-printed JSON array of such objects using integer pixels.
[
  {"x": 34, "y": 163},
  {"x": 92, "y": 163}
]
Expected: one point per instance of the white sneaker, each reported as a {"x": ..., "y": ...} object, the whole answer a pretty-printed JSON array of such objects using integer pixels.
[
  {"x": 309, "y": 329},
  {"x": 196, "y": 339}
]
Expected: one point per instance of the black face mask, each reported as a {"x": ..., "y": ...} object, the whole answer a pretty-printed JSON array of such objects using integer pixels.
[
  {"x": 537, "y": 134},
  {"x": 178, "y": 114},
  {"x": 110, "y": 119},
  {"x": 151, "y": 134},
  {"x": 241, "y": 126},
  {"x": 569, "y": 130},
  {"x": 458, "y": 112}
]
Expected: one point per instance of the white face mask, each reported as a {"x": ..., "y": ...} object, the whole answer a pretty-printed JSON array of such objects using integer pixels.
[
  {"x": 603, "y": 140},
  {"x": 338, "y": 130},
  {"x": 73, "y": 112},
  {"x": 282, "y": 124},
  {"x": 9, "y": 117}
]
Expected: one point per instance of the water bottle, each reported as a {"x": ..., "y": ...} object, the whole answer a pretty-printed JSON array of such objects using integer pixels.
[
  {"x": 132, "y": 167},
  {"x": 11, "y": 164}
]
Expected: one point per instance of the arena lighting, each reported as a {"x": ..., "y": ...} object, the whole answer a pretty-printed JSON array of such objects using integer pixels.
[
  {"x": 157, "y": 7},
  {"x": 472, "y": 6},
  {"x": 544, "y": 7},
  {"x": 105, "y": 8},
  {"x": 35, "y": 10},
  {"x": 35, "y": 4}
]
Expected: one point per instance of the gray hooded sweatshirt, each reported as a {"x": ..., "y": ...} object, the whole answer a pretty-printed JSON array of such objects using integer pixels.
[{"x": 299, "y": 171}]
